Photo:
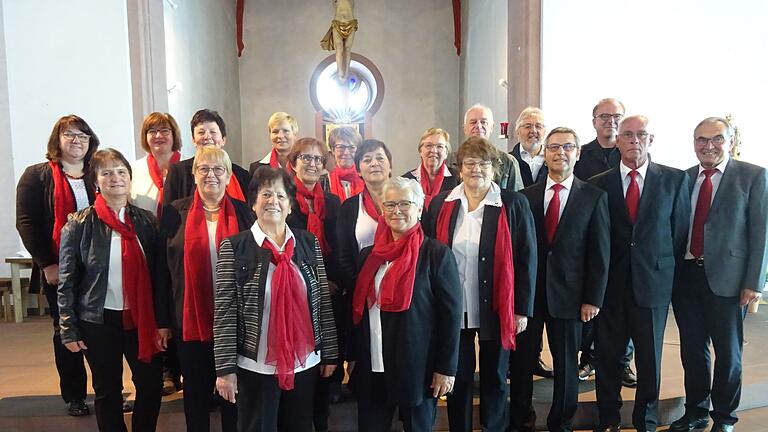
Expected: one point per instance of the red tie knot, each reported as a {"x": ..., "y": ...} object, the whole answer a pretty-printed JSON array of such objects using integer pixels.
[
  {"x": 633, "y": 174},
  {"x": 708, "y": 173},
  {"x": 557, "y": 187}
]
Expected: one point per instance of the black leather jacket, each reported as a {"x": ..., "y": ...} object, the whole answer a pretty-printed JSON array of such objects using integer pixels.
[{"x": 84, "y": 265}]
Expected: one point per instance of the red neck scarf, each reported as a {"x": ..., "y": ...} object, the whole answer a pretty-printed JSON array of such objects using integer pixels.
[
  {"x": 291, "y": 337},
  {"x": 503, "y": 270},
  {"x": 369, "y": 205},
  {"x": 350, "y": 175},
  {"x": 396, "y": 288},
  {"x": 198, "y": 278},
  {"x": 157, "y": 176},
  {"x": 63, "y": 202},
  {"x": 316, "y": 216},
  {"x": 431, "y": 188},
  {"x": 274, "y": 160},
  {"x": 138, "y": 308},
  {"x": 234, "y": 190}
]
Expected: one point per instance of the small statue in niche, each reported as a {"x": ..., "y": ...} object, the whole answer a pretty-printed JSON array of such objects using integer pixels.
[{"x": 341, "y": 35}]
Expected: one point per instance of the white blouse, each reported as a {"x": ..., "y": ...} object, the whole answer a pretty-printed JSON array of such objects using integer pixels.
[
  {"x": 143, "y": 190},
  {"x": 374, "y": 321},
  {"x": 365, "y": 229},
  {"x": 81, "y": 193}
]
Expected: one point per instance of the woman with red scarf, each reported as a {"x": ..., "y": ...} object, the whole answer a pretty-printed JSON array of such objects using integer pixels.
[
  {"x": 191, "y": 230},
  {"x": 283, "y": 130},
  {"x": 161, "y": 139},
  {"x": 46, "y": 194},
  {"x": 344, "y": 179},
  {"x": 406, "y": 309},
  {"x": 492, "y": 235},
  {"x": 273, "y": 326},
  {"x": 433, "y": 174},
  {"x": 315, "y": 211},
  {"x": 107, "y": 304}
]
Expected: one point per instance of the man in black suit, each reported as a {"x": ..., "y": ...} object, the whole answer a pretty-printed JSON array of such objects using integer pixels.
[
  {"x": 600, "y": 155},
  {"x": 573, "y": 238},
  {"x": 529, "y": 150},
  {"x": 723, "y": 271},
  {"x": 649, "y": 210}
]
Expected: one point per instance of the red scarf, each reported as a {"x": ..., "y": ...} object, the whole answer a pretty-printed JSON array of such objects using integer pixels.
[
  {"x": 369, "y": 205},
  {"x": 291, "y": 337},
  {"x": 198, "y": 279},
  {"x": 349, "y": 175},
  {"x": 63, "y": 203},
  {"x": 138, "y": 308},
  {"x": 503, "y": 270},
  {"x": 234, "y": 190},
  {"x": 316, "y": 216},
  {"x": 431, "y": 188},
  {"x": 157, "y": 176},
  {"x": 396, "y": 289},
  {"x": 274, "y": 161}
]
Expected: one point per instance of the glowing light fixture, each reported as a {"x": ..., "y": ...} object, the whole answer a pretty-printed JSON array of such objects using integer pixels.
[{"x": 346, "y": 102}]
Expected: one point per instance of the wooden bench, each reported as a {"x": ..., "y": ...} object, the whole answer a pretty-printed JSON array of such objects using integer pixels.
[{"x": 5, "y": 289}]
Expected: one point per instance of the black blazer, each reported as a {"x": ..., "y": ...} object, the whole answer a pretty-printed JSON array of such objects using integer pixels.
[
  {"x": 298, "y": 220},
  {"x": 648, "y": 251},
  {"x": 449, "y": 182},
  {"x": 421, "y": 340},
  {"x": 593, "y": 160},
  {"x": 574, "y": 269},
  {"x": 525, "y": 169},
  {"x": 34, "y": 212},
  {"x": 180, "y": 182},
  {"x": 169, "y": 277},
  {"x": 523, "y": 249}
]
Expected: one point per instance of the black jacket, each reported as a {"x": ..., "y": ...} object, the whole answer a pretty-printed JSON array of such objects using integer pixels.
[
  {"x": 421, "y": 340},
  {"x": 169, "y": 277},
  {"x": 84, "y": 267},
  {"x": 593, "y": 160},
  {"x": 525, "y": 169},
  {"x": 180, "y": 181},
  {"x": 298, "y": 220}
]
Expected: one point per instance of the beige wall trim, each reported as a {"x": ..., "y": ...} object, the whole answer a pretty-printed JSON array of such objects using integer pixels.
[{"x": 524, "y": 57}]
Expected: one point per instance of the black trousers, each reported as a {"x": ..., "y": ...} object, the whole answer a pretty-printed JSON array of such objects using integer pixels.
[
  {"x": 588, "y": 346},
  {"x": 70, "y": 366},
  {"x": 494, "y": 363},
  {"x": 375, "y": 411},
  {"x": 616, "y": 323},
  {"x": 199, "y": 371},
  {"x": 342, "y": 316},
  {"x": 264, "y": 407},
  {"x": 702, "y": 317},
  {"x": 107, "y": 344}
]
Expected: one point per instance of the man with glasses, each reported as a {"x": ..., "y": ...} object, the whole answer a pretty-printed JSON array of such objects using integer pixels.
[
  {"x": 478, "y": 121},
  {"x": 573, "y": 238},
  {"x": 529, "y": 150},
  {"x": 649, "y": 215},
  {"x": 723, "y": 272}
]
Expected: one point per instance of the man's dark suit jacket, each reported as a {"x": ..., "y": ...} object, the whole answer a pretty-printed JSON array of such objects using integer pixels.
[
  {"x": 525, "y": 169},
  {"x": 574, "y": 269},
  {"x": 180, "y": 182},
  {"x": 649, "y": 249},
  {"x": 735, "y": 230},
  {"x": 593, "y": 160}
]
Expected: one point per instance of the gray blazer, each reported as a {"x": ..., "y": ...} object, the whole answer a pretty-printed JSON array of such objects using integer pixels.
[{"x": 735, "y": 231}]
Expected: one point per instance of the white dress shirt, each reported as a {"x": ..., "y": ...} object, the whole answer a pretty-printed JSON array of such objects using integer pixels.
[
  {"x": 626, "y": 179},
  {"x": 564, "y": 193},
  {"x": 535, "y": 162},
  {"x": 365, "y": 229},
  {"x": 259, "y": 365},
  {"x": 374, "y": 323},
  {"x": 466, "y": 248},
  {"x": 716, "y": 178}
]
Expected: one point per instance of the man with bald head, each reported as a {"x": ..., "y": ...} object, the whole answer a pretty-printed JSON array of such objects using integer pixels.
[
  {"x": 601, "y": 154},
  {"x": 649, "y": 210},
  {"x": 478, "y": 121},
  {"x": 723, "y": 271}
]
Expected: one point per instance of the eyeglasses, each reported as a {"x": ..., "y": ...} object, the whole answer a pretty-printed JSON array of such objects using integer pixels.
[
  {"x": 431, "y": 147},
  {"x": 606, "y": 117},
  {"x": 529, "y": 126},
  {"x": 70, "y": 136},
  {"x": 471, "y": 165},
  {"x": 641, "y": 135},
  {"x": 567, "y": 147},
  {"x": 403, "y": 206},
  {"x": 715, "y": 140},
  {"x": 341, "y": 148},
  {"x": 218, "y": 171},
  {"x": 163, "y": 132},
  {"x": 307, "y": 159}
]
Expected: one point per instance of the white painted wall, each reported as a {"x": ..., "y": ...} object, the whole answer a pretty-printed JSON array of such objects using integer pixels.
[
  {"x": 201, "y": 60},
  {"x": 9, "y": 243},
  {"x": 411, "y": 42},
  {"x": 676, "y": 62}
]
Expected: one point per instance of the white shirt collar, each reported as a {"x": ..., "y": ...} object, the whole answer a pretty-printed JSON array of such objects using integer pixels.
[
  {"x": 493, "y": 197},
  {"x": 265, "y": 159},
  {"x": 642, "y": 169},
  {"x": 720, "y": 167},
  {"x": 523, "y": 151},
  {"x": 567, "y": 183},
  {"x": 260, "y": 236}
]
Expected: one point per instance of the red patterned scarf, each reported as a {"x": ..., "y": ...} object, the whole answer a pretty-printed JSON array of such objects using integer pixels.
[
  {"x": 503, "y": 270},
  {"x": 157, "y": 176},
  {"x": 63, "y": 203},
  {"x": 431, "y": 188},
  {"x": 396, "y": 288},
  {"x": 198, "y": 277},
  {"x": 138, "y": 307},
  {"x": 316, "y": 216},
  {"x": 291, "y": 337},
  {"x": 350, "y": 175}
]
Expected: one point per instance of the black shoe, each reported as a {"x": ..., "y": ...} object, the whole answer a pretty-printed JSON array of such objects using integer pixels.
[
  {"x": 614, "y": 428},
  {"x": 719, "y": 427},
  {"x": 585, "y": 371},
  {"x": 541, "y": 369},
  {"x": 78, "y": 408},
  {"x": 628, "y": 378},
  {"x": 688, "y": 423}
]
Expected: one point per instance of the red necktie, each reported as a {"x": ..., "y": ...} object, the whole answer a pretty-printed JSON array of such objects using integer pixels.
[
  {"x": 633, "y": 196},
  {"x": 553, "y": 213},
  {"x": 700, "y": 216}
]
